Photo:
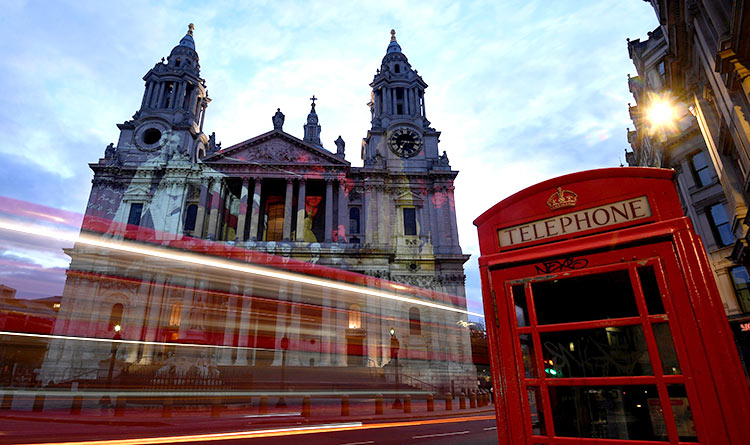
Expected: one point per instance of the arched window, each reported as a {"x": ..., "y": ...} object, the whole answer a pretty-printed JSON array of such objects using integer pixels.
[
  {"x": 355, "y": 317},
  {"x": 190, "y": 215},
  {"x": 415, "y": 324},
  {"x": 115, "y": 316}
]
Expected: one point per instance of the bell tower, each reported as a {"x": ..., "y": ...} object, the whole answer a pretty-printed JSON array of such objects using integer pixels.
[
  {"x": 170, "y": 119},
  {"x": 400, "y": 137}
]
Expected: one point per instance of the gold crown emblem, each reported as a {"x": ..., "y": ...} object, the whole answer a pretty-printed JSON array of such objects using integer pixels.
[{"x": 562, "y": 198}]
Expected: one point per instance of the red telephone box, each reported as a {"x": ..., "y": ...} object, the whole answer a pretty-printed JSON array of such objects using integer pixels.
[{"x": 603, "y": 316}]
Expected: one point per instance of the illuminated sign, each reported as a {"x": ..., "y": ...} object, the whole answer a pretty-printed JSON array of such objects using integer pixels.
[
  {"x": 745, "y": 327},
  {"x": 606, "y": 215}
]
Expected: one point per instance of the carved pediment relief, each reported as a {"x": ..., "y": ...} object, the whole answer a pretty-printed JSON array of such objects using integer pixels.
[
  {"x": 277, "y": 149},
  {"x": 408, "y": 198}
]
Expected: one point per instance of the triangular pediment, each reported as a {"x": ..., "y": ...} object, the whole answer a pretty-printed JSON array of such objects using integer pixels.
[
  {"x": 275, "y": 148},
  {"x": 407, "y": 198}
]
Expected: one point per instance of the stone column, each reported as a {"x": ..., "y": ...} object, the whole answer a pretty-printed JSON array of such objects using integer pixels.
[
  {"x": 383, "y": 210},
  {"x": 213, "y": 218},
  {"x": 255, "y": 215},
  {"x": 438, "y": 202},
  {"x": 327, "y": 328},
  {"x": 365, "y": 216},
  {"x": 343, "y": 212},
  {"x": 200, "y": 216},
  {"x": 159, "y": 98},
  {"x": 229, "y": 324},
  {"x": 299, "y": 230},
  {"x": 451, "y": 209},
  {"x": 288, "y": 209},
  {"x": 147, "y": 94},
  {"x": 283, "y": 314},
  {"x": 242, "y": 217},
  {"x": 426, "y": 218},
  {"x": 244, "y": 328},
  {"x": 329, "y": 211}
]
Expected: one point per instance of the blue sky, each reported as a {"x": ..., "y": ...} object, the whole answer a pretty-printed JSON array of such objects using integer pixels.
[{"x": 522, "y": 90}]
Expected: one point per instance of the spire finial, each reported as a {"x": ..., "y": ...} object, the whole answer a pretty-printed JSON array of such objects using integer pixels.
[
  {"x": 191, "y": 27},
  {"x": 393, "y": 35},
  {"x": 313, "y": 99}
]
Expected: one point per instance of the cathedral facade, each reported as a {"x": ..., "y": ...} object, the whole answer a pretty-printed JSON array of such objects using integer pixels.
[{"x": 393, "y": 219}]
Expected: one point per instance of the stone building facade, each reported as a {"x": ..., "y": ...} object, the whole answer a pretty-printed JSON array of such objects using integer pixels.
[
  {"x": 698, "y": 60},
  {"x": 394, "y": 219}
]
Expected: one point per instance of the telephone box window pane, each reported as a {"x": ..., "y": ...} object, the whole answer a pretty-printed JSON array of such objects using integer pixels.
[
  {"x": 584, "y": 298},
  {"x": 527, "y": 355},
  {"x": 519, "y": 299},
  {"x": 535, "y": 409},
  {"x": 602, "y": 352},
  {"x": 683, "y": 416},
  {"x": 663, "y": 336},
  {"x": 651, "y": 290},
  {"x": 608, "y": 412}
]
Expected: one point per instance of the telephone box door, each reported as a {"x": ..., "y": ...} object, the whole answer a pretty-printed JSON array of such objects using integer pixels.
[{"x": 595, "y": 352}]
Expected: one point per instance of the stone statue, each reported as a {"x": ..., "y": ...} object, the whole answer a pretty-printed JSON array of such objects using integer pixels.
[
  {"x": 339, "y": 146},
  {"x": 213, "y": 147},
  {"x": 278, "y": 119},
  {"x": 110, "y": 152},
  {"x": 443, "y": 158}
]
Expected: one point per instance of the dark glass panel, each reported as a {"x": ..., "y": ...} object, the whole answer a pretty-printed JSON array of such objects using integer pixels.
[
  {"x": 651, "y": 290},
  {"x": 527, "y": 354},
  {"x": 683, "y": 416},
  {"x": 602, "y": 352},
  {"x": 519, "y": 298},
  {"x": 583, "y": 298},
  {"x": 611, "y": 412},
  {"x": 535, "y": 409},
  {"x": 663, "y": 336}
]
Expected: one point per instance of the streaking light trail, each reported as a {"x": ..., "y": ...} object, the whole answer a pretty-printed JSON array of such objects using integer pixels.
[
  {"x": 278, "y": 432},
  {"x": 130, "y": 247}
]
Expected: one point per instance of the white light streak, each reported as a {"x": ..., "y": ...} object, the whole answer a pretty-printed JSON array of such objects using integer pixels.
[{"x": 130, "y": 247}]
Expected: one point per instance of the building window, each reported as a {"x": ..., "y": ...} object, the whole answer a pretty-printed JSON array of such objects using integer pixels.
[
  {"x": 354, "y": 220},
  {"x": 410, "y": 221},
  {"x": 720, "y": 226},
  {"x": 355, "y": 317},
  {"x": 115, "y": 316},
  {"x": 661, "y": 68},
  {"x": 175, "y": 315},
  {"x": 190, "y": 216},
  {"x": 699, "y": 167},
  {"x": 741, "y": 282},
  {"x": 275, "y": 219},
  {"x": 134, "y": 217},
  {"x": 415, "y": 323}
]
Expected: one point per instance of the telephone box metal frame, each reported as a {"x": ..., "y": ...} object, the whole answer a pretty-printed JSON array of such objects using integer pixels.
[{"x": 596, "y": 222}]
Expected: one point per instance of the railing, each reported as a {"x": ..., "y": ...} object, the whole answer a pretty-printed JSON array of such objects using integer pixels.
[{"x": 417, "y": 383}]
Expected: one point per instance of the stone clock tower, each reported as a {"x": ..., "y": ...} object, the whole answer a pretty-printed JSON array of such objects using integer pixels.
[{"x": 401, "y": 135}]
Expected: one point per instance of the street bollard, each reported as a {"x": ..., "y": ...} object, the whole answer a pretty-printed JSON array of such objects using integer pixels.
[
  {"x": 75, "y": 407},
  {"x": 306, "y": 407},
  {"x": 166, "y": 408},
  {"x": 38, "y": 403},
  {"x": 430, "y": 402},
  {"x": 344, "y": 406},
  {"x": 263, "y": 405},
  {"x": 216, "y": 407},
  {"x": 7, "y": 400},
  {"x": 461, "y": 401},
  {"x": 407, "y": 403},
  {"x": 449, "y": 402},
  {"x": 379, "y": 404},
  {"x": 473, "y": 399},
  {"x": 120, "y": 406}
]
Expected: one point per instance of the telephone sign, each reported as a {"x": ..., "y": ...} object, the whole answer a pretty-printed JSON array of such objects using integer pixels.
[{"x": 603, "y": 318}]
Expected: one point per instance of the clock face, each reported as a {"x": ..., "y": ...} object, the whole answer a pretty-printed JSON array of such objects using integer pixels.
[{"x": 405, "y": 142}]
